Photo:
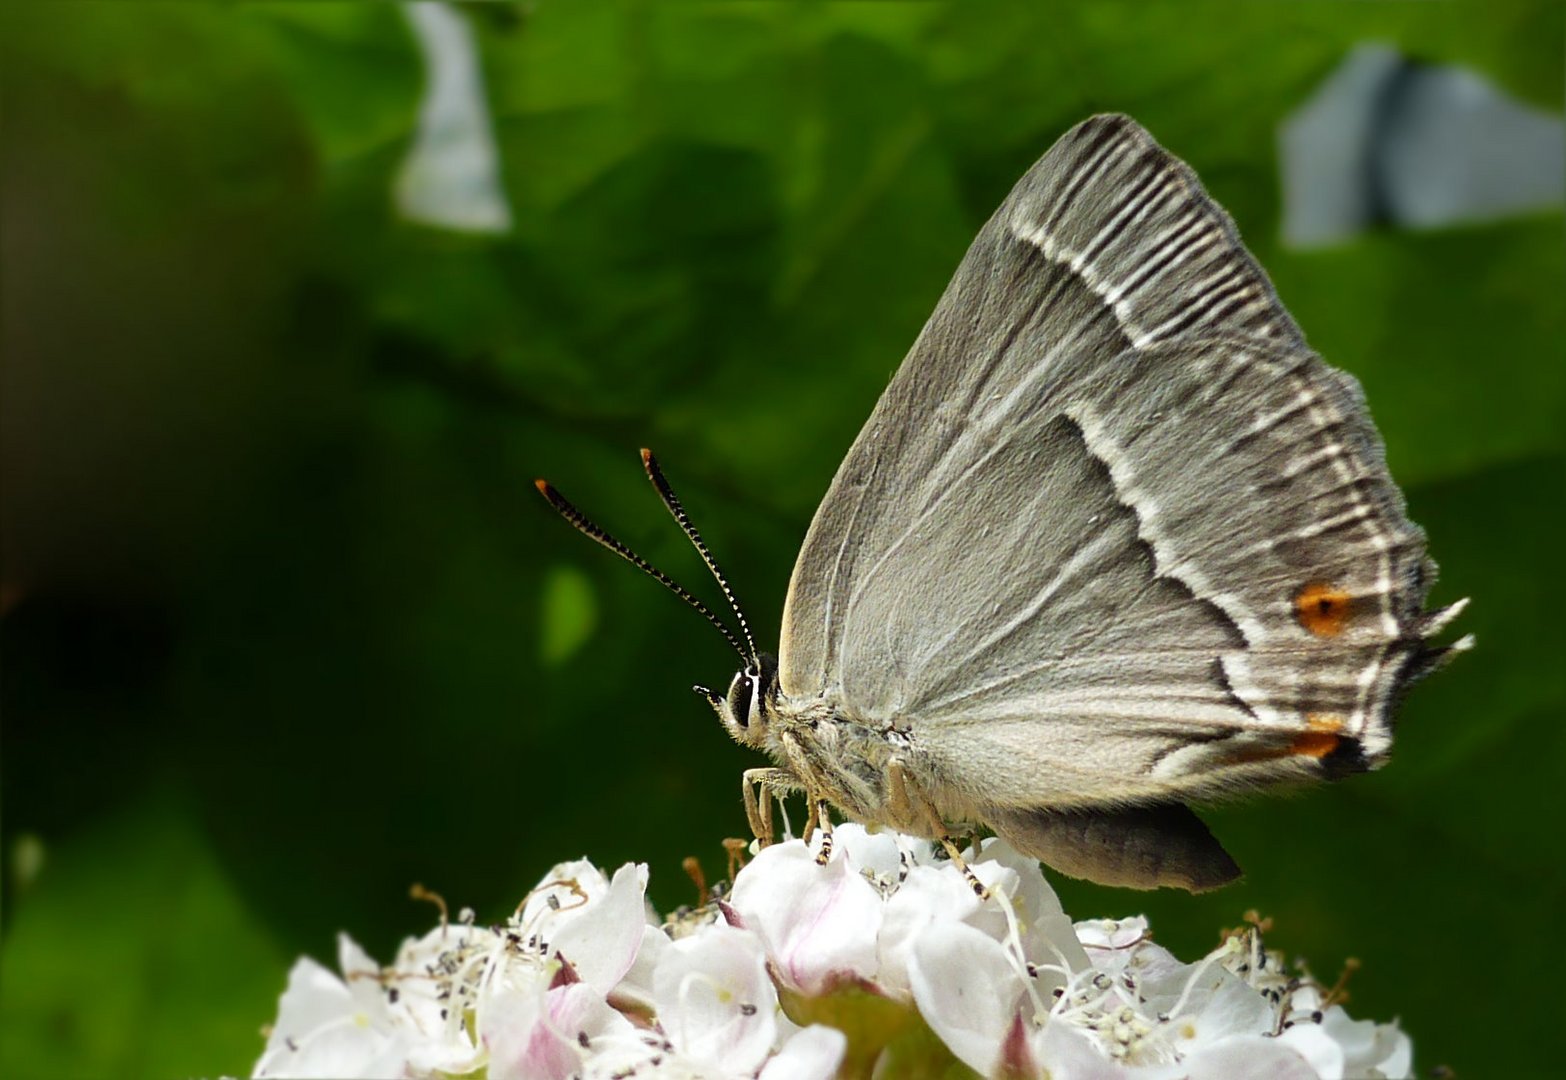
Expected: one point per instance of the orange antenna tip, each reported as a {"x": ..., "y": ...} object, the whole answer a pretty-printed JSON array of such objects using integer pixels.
[
  {"x": 542, "y": 486},
  {"x": 646, "y": 455}
]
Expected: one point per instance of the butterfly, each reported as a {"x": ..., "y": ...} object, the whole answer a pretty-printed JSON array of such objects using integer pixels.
[{"x": 1113, "y": 541}]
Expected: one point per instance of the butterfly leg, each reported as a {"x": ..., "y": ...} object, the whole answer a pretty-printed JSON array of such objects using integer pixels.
[
  {"x": 758, "y": 787},
  {"x": 911, "y": 805},
  {"x": 819, "y": 815}
]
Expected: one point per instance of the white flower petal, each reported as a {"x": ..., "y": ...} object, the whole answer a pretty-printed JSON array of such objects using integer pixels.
[
  {"x": 966, "y": 990},
  {"x": 339, "y": 1049},
  {"x": 1110, "y": 943},
  {"x": 362, "y": 974},
  {"x": 1368, "y": 1045},
  {"x": 421, "y": 1005},
  {"x": 330, "y": 1026},
  {"x": 635, "y": 990},
  {"x": 811, "y": 1054},
  {"x": 1356, "y": 1037},
  {"x": 1320, "y": 1051},
  {"x": 320, "y": 1030},
  {"x": 877, "y": 852},
  {"x": 1248, "y": 1057},
  {"x": 819, "y": 923},
  {"x": 1048, "y": 936},
  {"x": 715, "y": 1000},
  {"x": 1152, "y": 965},
  {"x": 579, "y": 1013},
  {"x": 1221, "y": 1005},
  {"x": 565, "y": 888},
  {"x": 601, "y": 940},
  {"x": 1065, "y": 1053},
  {"x": 927, "y": 895},
  {"x": 314, "y": 996}
]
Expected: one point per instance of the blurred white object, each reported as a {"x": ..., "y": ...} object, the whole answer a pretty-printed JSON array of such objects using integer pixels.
[
  {"x": 1385, "y": 139},
  {"x": 451, "y": 177}
]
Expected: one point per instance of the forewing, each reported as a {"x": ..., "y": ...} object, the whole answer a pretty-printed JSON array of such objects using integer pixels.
[{"x": 1108, "y": 242}]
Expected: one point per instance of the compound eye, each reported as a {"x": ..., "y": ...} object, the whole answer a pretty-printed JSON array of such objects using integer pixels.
[
  {"x": 756, "y": 692},
  {"x": 742, "y": 691}
]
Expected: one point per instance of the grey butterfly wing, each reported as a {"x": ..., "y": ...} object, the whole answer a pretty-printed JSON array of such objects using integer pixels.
[{"x": 1082, "y": 545}]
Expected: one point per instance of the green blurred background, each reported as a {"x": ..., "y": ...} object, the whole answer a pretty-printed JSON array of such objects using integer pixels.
[{"x": 286, "y": 628}]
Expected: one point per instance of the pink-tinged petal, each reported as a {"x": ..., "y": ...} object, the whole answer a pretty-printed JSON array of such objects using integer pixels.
[
  {"x": 1065, "y": 1053},
  {"x": 715, "y": 1001},
  {"x": 522, "y": 1039},
  {"x": 811, "y": 1054},
  {"x": 601, "y": 942},
  {"x": 730, "y": 916},
  {"x": 966, "y": 990},
  {"x": 819, "y": 923},
  {"x": 578, "y": 1013},
  {"x": 1320, "y": 1051},
  {"x": 1249, "y": 1057},
  {"x": 1016, "y": 1055}
]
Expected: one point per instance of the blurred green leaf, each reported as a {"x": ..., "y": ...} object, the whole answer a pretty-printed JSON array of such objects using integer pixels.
[
  {"x": 133, "y": 955},
  {"x": 569, "y": 611}
]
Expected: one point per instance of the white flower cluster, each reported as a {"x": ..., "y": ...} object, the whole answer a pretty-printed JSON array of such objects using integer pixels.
[{"x": 883, "y": 960}]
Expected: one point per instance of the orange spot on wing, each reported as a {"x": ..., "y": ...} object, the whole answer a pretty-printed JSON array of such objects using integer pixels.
[
  {"x": 1316, "y": 744},
  {"x": 1322, "y": 609},
  {"x": 1319, "y": 739}
]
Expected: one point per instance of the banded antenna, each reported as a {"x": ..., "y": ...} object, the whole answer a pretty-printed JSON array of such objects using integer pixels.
[
  {"x": 666, "y": 493},
  {"x": 582, "y": 524}
]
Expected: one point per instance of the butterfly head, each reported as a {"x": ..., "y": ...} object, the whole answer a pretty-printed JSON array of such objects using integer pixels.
[{"x": 748, "y": 706}]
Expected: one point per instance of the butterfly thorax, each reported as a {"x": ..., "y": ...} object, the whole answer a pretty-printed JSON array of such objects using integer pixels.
[
  {"x": 871, "y": 770},
  {"x": 863, "y": 767}
]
